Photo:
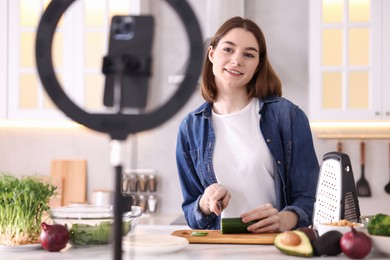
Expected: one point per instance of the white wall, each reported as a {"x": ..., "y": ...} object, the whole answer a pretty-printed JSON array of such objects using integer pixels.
[{"x": 285, "y": 24}]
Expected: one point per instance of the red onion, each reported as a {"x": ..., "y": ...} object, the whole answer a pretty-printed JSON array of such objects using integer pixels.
[
  {"x": 53, "y": 237},
  {"x": 355, "y": 244}
]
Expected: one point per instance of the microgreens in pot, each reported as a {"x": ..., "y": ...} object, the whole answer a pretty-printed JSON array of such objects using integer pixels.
[{"x": 22, "y": 204}]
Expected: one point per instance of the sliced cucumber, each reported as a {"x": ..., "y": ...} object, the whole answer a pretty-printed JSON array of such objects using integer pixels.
[
  {"x": 199, "y": 234},
  {"x": 234, "y": 226}
]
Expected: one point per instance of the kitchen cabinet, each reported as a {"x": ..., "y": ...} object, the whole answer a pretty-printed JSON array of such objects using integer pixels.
[
  {"x": 79, "y": 45},
  {"x": 386, "y": 60},
  {"x": 3, "y": 60},
  {"x": 349, "y": 58}
]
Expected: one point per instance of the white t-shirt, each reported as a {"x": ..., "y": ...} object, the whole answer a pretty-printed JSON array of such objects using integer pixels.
[{"x": 242, "y": 161}]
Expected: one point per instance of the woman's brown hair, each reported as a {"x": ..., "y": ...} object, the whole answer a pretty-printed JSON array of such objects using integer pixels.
[{"x": 264, "y": 83}]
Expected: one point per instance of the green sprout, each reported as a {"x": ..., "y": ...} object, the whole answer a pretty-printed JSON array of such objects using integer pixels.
[{"x": 22, "y": 204}]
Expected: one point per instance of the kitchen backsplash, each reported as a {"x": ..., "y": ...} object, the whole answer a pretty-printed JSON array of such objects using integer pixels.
[
  {"x": 30, "y": 151},
  {"x": 377, "y": 169}
]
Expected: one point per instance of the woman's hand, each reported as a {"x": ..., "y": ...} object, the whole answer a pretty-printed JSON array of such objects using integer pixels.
[
  {"x": 214, "y": 199},
  {"x": 269, "y": 219}
]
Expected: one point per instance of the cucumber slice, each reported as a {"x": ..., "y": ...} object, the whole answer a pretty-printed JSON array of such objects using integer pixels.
[
  {"x": 234, "y": 226},
  {"x": 199, "y": 234}
]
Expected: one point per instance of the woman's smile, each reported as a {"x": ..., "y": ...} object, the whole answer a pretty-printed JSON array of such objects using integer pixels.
[{"x": 234, "y": 73}]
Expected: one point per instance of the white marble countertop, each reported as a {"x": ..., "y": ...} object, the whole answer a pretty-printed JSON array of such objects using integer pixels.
[{"x": 192, "y": 251}]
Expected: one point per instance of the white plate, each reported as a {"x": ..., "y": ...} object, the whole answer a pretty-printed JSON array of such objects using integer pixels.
[
  {"x": 20, "y": 248},
  {"x": 153, "y": 244}
]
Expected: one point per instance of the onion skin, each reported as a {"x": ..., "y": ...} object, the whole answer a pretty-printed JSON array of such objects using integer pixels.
[
  {"x": 355, "y": 244},
  {"x": 53, "y": 237}
]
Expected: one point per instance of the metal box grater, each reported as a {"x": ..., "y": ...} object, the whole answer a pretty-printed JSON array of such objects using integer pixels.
[{"x": 336, "y": 196}]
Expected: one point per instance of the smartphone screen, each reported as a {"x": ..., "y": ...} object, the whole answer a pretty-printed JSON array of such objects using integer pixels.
[{"x": 130, "y": 42}]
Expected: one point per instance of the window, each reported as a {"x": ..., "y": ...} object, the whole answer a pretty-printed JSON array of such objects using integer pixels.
[{"x": 79, "y": 45}]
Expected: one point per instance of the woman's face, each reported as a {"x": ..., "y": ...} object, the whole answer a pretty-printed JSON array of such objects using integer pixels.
[{"x": 235, "y": 59}]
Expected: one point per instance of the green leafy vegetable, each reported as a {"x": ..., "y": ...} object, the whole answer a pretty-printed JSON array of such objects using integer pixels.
[
  {"x": 379, "y": 225},
  {"x": 22, "y": 204},
  {"x": 83, "y": 234},
  {"x": 99, "y": 234}
]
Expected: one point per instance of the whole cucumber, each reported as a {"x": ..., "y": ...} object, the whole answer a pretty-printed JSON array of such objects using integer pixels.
[{"x": 234, "y": 226}]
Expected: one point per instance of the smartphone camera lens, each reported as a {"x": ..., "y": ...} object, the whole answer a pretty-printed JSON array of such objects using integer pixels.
[{"x": 123, "y": 27}]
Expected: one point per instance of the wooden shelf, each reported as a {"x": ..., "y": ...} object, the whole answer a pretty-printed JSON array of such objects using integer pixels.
[{"x": 351, "y": 129}]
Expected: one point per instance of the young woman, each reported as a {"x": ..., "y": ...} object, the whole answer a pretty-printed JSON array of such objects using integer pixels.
[{"x": 246, "y": 152}]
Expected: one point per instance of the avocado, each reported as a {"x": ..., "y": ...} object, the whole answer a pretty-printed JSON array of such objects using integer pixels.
[
  {"x": 294, "y": 242},
  {"x": 311, "y": 233},
  {"x": 328, "y": 244}
]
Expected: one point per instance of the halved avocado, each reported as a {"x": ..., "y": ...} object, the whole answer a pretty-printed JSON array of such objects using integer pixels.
[{"x": 294, "y": 243}]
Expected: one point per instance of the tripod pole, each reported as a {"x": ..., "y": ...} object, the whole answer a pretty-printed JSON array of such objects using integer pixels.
[{"x": 116, "y": 162}]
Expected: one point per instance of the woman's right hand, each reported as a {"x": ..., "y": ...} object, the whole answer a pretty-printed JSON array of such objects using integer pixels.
[{"x": 214, "y": 199}]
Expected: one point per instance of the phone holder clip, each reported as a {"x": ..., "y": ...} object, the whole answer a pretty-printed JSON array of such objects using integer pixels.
[{"x": 129, "y": 64}]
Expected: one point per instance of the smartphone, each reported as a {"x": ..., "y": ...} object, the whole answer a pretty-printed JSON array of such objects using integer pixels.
[{"x": 131, "y": 37}]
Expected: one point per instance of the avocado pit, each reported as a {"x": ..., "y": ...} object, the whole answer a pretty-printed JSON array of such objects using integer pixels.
[{"x": 290, "y": 238}]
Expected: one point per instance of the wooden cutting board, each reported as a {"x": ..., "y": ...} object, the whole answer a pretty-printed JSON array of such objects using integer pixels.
[
  {"x": 215, "y": 237},
  {"x": 73, "y": 174}
]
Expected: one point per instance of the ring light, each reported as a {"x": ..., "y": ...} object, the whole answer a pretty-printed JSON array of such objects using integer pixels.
[{"x": 117, "y": 125}]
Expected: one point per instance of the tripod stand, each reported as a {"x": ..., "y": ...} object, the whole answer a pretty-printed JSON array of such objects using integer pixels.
[{"x": 118, "y": 125}]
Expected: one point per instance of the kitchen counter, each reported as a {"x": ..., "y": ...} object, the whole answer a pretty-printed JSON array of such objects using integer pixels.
[{"x": 192, "y": 251}]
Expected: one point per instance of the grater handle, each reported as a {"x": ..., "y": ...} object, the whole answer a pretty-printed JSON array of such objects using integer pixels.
[{"x": 362, "y": 153}]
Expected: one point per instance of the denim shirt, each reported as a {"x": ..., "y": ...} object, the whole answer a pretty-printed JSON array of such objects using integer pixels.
[{"x": 286, "y": 131}]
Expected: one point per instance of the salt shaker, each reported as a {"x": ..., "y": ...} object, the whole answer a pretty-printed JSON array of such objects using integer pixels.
[
  {"x": 133, "y": 182},
  {"x": 142, "y": 182},
  {"x": 125, "y": 183},
  {"x": 142, "y": 202},
  {"x": 152, "y": 203},
  {"x": 152, "y": 182}
]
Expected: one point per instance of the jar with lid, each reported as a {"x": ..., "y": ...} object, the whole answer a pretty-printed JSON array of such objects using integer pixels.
[
  {"x": 133, "y": 182},
  {"x": 142, "y": 202},
  {"x": 152, "y": 203},
  {"x": 142, "y": 182},
  {"x": 152, "y": 182}
]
